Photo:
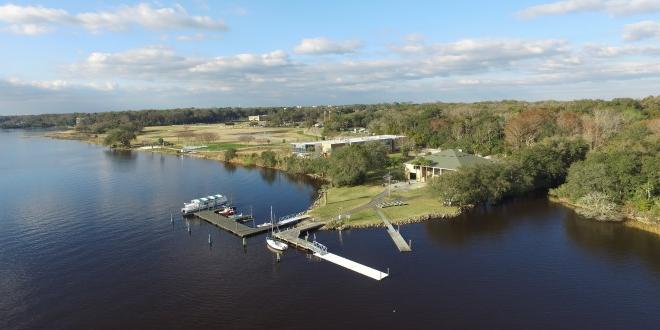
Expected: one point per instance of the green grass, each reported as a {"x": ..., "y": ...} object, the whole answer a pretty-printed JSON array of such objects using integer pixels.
[
  {"x": 363, "y": 218},
  {"x": 311, "y": 137},
  {"x": 224, "y": 146},
  {"x": 420, "y": 203},
  {"x": 345, "y": 198}
]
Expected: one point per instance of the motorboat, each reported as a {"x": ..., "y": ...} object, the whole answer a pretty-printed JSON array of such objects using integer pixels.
[
  {"x": 227, "y": 211},
  {"x": 203, "y": 203}
]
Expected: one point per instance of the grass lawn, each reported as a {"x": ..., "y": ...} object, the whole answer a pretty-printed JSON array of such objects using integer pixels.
[
  {"x": 346, "y": 198},
  {"x": 223, "y": 146},
  {"x": 420, "y": 203}
]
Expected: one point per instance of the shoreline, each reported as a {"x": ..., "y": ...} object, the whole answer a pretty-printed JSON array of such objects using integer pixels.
[
  {"x": 431, "y": 216},
  {"x": 629, "y": 220}
]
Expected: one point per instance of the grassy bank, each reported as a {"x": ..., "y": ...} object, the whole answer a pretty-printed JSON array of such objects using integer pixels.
[{"x": 353, "y": 204}]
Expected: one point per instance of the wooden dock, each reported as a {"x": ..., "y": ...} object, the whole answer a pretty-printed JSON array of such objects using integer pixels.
[
  {"x": 235, "y": 227},
  {"x": 400, "y": 243},
  {"x": 292, "y": 237}
]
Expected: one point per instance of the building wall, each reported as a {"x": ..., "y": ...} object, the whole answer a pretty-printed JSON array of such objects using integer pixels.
[{"x": 423, "y": 173}]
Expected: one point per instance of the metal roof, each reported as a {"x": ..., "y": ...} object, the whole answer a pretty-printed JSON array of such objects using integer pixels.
[
  {"x": 350, "y": 140},
  {"x": 453, "y": 159}
]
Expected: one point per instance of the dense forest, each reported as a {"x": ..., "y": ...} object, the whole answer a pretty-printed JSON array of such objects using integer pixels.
[{"x": 602, "y": 155}]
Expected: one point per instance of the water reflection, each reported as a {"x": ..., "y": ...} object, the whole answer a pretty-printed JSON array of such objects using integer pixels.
[
  {"x": 613, "y": 240},
  {"x": 268, "y": 174},
  {"x": 488, "y": 221}
]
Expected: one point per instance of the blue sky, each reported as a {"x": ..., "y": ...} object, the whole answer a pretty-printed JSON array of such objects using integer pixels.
[{"x": 102, "y": 55}]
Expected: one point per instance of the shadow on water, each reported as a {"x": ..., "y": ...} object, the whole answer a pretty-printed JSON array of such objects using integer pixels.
[
  {"x": 125, "y": 159},
  {"x": 268, "y": 174},
  {"x": 231, "y": 168},
  {"x": 489, "y": 221},
  {"x": 613, "y": 240}
]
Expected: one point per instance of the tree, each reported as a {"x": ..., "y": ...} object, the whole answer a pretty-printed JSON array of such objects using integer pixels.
[
  {"x": 377, "y": 155},
  {"x": 121, "y": 136},
  {"x": 525, "y": 128},
  {"x": 349, "y": 166},
  {"x": 230, "y": 154},
  {"x": 569, "y": 123},
  {"x": 268, "y": 158}
]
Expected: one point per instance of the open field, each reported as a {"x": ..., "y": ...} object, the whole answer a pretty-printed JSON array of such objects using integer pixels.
[
  {"x": 220, "y": 137},
  {"x": 217, "y": 137}
]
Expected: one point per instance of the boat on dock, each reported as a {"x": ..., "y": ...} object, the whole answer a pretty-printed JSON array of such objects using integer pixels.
[
  {"x": 227, "y": 211},
  {"x": 203, "y": 203}
]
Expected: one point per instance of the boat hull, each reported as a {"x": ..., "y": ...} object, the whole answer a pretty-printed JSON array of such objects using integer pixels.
[{"x": 276, "y": 245}]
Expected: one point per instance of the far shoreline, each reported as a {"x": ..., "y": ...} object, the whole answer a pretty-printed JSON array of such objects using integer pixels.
[{"x": 66, "y": 134}]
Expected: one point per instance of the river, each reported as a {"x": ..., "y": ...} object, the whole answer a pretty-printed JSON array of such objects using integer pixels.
[{"x": 86, "y": 242}]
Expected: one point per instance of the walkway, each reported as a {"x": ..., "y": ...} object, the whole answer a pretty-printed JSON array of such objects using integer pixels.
[
  {"x": 237, "y": 228},
  {"x": 292, "y": 237},
  {"x": 396, "y": 236}
]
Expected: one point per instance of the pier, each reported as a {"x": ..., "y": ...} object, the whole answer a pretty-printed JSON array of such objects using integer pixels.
[
  {"x": 396, "y": 236},
  {"x": 235, "y": 227},
  {"x": 292, "y": 237}
]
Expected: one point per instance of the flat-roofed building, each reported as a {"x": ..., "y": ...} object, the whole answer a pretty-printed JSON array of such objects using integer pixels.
[
  {"x": 326, "y": 147},
  {"x": 257, "y": 118}
]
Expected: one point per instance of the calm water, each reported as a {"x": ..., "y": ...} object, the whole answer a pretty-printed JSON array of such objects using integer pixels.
[{"x": 86, "y": 242}]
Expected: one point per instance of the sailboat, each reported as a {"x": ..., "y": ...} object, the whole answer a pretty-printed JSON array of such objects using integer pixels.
[{"x": 270, "y": 241}]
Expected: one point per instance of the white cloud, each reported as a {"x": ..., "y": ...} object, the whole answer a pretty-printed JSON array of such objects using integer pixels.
[
  {"x": 33, "y": 20},
  {"x": 468, "y": 69},
  {"x": 28, "y": 29},
  {"x": 191, "y": 37},
  {"x": 612, "y": 7},
  {"x": 322, "y": 45},
  {"x": 244, "y": 62},
  {"x": 641, "y": 30}
]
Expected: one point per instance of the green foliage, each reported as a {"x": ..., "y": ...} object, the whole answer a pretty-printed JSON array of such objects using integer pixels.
[
  {"x": 484, "y": 183},
  {"x": 626, "y": 170},
  {"x": 542, "y": 166},
  {"x": 349, "y": 165},
  {"x": 121, "y": 136},
  {"x": 268, "y": 158},
  {"x": 230, "y": 154}
]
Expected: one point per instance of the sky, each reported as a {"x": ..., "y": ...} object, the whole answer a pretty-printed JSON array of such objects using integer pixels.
[{"x": 91, "y": 56}]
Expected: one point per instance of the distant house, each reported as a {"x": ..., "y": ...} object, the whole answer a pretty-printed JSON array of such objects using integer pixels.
[
  {"x": 436, "y": 164},
  {"x": 257, "y": 118},
  {"x": 325, "y": 148}
]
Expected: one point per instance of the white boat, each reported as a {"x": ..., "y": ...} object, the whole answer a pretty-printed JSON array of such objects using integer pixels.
[
  {"x": 276, "y": 245},
  {"x": 203, "y": 203},
  {"x": 265, "y": 224}
]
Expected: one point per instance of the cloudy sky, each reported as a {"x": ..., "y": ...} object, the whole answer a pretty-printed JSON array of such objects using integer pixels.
[{"x": 102, "y": 55}]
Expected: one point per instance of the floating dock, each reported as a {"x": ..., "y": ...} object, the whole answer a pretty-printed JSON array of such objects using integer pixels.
[
  {"x": 352, "y": 265},
  {"x": 292, "y": 237},
  {"x": 235, "y": 227},
  {"x": 396, "y": 236}
]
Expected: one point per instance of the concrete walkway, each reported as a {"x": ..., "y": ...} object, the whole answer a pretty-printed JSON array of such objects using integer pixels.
[{"x": 396, "y": 236}]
